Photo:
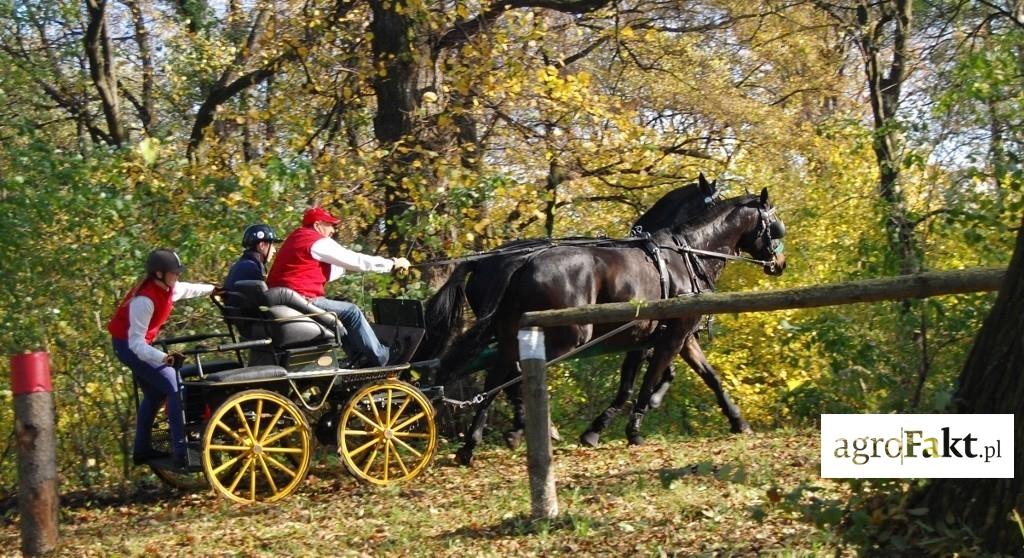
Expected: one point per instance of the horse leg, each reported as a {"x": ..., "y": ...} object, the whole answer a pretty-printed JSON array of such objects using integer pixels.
[
  {"x": 514, "y": 437},
  {"x": 558, "y": 341},
  {"x": 694, "y": 356},
  {"x": 627, "y": 375},
  {"x": 664, "y": 352},
  {"x": 662, "y": 389},
  {"x": 475, "y": 434}
]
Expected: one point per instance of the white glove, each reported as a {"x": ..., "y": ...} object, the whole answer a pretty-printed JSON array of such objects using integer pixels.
[{"x": 401, "y": 264}]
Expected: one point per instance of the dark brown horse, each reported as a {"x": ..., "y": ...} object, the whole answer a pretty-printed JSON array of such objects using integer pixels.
[
  {"x": 488, "y": 276},
  {"x": 567, "y": 276}
]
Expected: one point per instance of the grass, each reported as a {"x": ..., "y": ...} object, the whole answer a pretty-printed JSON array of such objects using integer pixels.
[{"x": 718, "y": 496}]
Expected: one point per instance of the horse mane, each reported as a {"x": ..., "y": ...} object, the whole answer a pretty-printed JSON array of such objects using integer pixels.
[{"x": 716, "y": 213}]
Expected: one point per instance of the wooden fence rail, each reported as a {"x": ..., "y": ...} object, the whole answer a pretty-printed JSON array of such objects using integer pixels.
[{"x": 920, "y": 285}]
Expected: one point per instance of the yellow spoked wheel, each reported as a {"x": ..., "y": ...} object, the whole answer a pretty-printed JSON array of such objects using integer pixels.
[
  {"x": 386, "y": 433},
  {"x": 256, "y": 447}
]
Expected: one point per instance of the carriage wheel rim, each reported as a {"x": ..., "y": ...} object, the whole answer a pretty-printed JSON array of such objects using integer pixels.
[
  {"x": 386, "y": 433},
  {"x": 256, "y": 447}
]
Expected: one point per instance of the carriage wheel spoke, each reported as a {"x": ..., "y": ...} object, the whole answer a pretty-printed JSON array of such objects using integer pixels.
[
  {"x": 409, "y": 421},
  {"x": 348, "y": 431},
  {"x": 369, "y": 422},
  {"x": 362, "y": 448},
  {"x": 373, "y": 456},
  {"x": 279, "y": 435},
  {"x": 419, "y": 435},
  {"x": 229, "y": 448},
  {"x": 232, "y": 433},
  {"x": 259, "y": 414},
  {"x": 408, "y": 447},
  {"x": 227, "y": 464},
  {"x": 271, "y": 425},
  {"x": 245, "y": 422},
  {"x": 398, "y": 458},
  {"x": 387, "y": 460},
  {"x": 283, "y": 450},
  {"x": 266, "y": 473},
  {"x": 376, "y": 411},
  {"x": 252, "y": 479},
  {"x": 398, "y": 413},
  {"x": 278, "y": 465},
  {"x": 387, "y": 409},
  {"x": 238, "y": 477}
]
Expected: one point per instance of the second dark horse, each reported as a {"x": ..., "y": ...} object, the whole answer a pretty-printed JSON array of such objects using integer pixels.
[{"x": 567, "y": 276}]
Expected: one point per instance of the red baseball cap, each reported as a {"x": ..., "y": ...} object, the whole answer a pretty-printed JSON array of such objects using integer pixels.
[{"x": 314, "y": 214}]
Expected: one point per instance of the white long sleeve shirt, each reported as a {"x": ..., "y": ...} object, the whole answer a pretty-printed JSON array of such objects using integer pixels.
[
  {"x": 341, "y": 259},
  {"x": 140, "y": 312}
]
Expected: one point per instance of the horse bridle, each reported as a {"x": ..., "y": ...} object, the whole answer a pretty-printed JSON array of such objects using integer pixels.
[{"x": 769, "y": 228}]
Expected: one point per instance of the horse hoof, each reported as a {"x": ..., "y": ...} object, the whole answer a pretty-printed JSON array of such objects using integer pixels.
[
  {"x": 635, "y": 440},
  {"x": 658, "y": 396},
  {"x": 553, "y": 430},
  {"x": 513, "y": 438},
  {"x": 742, "y": 427},
  {"x": 464, "y": 457},
  {"x": 589, "y": 439}
]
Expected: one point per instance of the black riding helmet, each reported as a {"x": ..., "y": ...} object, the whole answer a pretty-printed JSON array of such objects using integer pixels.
[
  {"x": 165, "y": 260},
  {"x": 254, "y": 234}
]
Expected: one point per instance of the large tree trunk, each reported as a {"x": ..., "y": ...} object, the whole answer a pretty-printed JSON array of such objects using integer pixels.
[
  {"x": 398, "y": 79},
  {"x": 992, "y": 381}
]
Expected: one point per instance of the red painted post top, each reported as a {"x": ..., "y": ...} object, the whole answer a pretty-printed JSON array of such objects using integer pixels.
[{"x": 30, "y": 373}]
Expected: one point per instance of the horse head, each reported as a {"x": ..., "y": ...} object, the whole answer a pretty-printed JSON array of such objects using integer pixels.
[{"x": 763, "y": 241}]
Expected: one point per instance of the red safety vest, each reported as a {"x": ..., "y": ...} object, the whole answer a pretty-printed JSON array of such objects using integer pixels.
[
  {"x": 295, "y": 268},
  {"x": 163, "y": 303}
]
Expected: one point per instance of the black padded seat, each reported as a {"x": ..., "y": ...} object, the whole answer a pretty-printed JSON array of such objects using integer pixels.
[
  {"x": 288, "y": 318},
  {"x": 249, "y": 374},
  {"x": 213, "y": 366}
]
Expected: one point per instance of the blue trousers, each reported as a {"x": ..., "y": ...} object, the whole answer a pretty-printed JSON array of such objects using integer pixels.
[
  {"x": 361, "y": 342},
  {"x": 158, "y": 384}
]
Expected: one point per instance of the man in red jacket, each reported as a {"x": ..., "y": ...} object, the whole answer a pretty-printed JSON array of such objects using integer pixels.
[{"x": 309, "y": 258}]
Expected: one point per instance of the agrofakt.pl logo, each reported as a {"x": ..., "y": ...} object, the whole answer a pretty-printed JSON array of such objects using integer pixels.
[{"x": 917, "y": 446}]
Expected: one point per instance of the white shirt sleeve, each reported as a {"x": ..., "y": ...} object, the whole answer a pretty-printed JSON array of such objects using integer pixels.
[
  {"x": 140, "y": 312},
  {"x": 183, "y": 290},
  {"x": 342, "y": 259}
]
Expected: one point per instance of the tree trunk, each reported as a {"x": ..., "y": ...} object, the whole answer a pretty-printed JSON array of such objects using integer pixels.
[
  {"x": 102, "y": 69},
  {"x": 147, "y": 113},
  {"x": 992, "y": 381},
  {"x": 884, "y": 87},
  {"x": 395, "y": 57}
]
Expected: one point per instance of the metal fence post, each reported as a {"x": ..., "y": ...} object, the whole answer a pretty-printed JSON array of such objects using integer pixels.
[
  {"x": 36, "y": 441},
  {"x": 543, "y": 499}
]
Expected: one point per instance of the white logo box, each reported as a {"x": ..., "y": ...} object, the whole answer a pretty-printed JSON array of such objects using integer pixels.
[{"x": 917, "y": 446}]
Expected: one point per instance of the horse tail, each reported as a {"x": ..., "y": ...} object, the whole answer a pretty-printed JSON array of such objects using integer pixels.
[
  {"x": 444, "y": 313},
  {"x": 461, "y": 357}
]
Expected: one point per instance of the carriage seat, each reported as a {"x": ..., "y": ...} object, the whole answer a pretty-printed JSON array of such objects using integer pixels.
[
  {"x": 248, "y": 374},
  {"x": 280, "y": 313}
]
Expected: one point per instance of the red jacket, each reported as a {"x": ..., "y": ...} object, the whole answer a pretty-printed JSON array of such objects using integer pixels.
[
  {"x": 163, "y": 303},
  {"x": 295, "y": 268}
]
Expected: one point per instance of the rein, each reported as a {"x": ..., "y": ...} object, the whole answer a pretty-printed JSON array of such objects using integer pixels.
[{"x": 542, "y": 244}]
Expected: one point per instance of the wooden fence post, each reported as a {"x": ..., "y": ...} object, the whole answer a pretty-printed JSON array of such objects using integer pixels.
[
  {"x": 36, "y": 441},
  {"x": 543, "y": 499}
]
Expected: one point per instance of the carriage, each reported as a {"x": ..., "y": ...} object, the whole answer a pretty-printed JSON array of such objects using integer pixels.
[
  {"x": 257, "y": 398},
  {"x": 248, "y": 418}
]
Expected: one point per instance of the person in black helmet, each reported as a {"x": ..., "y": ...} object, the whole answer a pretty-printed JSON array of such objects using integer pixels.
[
  {"x": 134, "y": 326},
  {"x": 258, "y": 242}
]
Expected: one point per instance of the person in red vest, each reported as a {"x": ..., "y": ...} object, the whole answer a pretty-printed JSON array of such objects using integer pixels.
[
  {"x": 134, "y": 326},
  {"x": 309, "y": 258}
]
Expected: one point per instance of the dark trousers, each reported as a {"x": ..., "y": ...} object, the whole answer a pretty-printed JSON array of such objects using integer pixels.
[{"x": 158, "y": 384}]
